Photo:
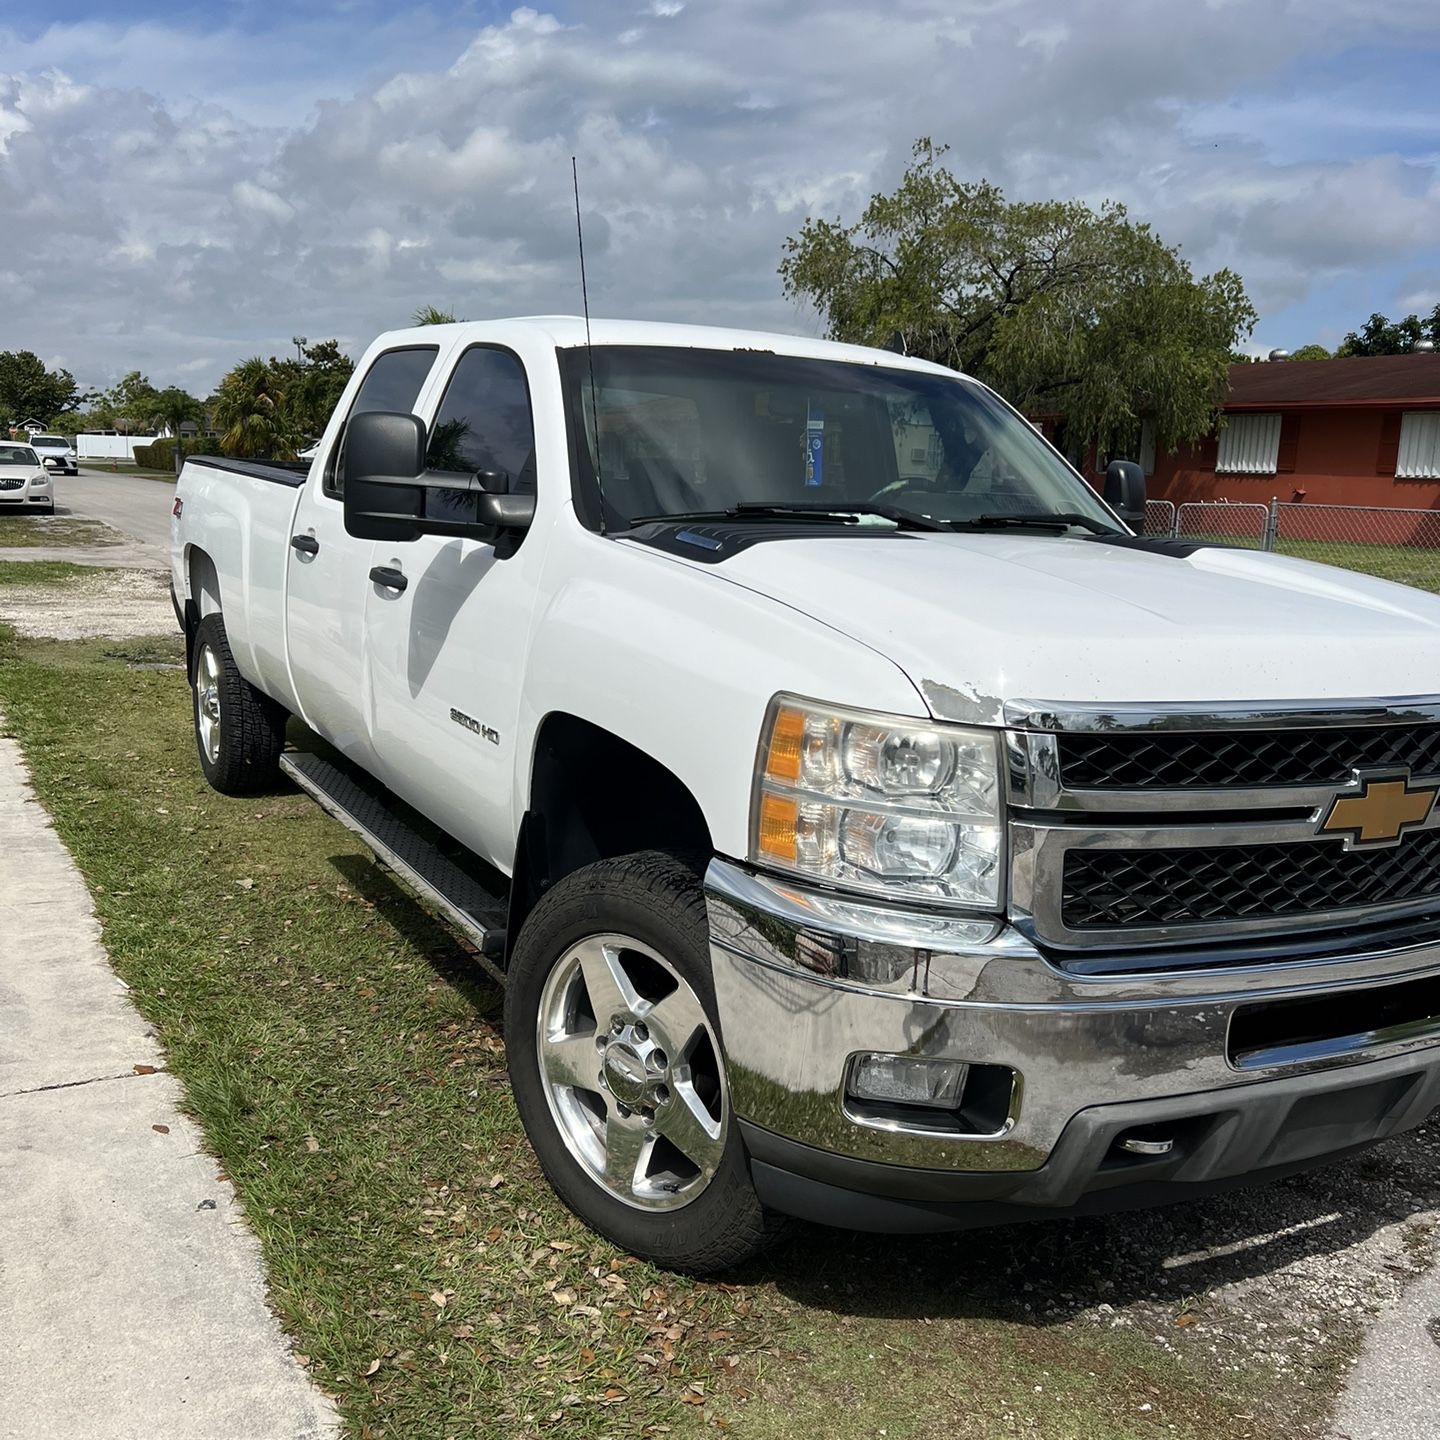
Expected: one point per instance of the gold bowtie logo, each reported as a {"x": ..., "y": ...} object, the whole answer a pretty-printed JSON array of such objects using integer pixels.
[{"x": 1380, "y": 812}]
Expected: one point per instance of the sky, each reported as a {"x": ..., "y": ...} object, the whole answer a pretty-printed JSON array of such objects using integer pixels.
[{"x": 186, "y": 184}]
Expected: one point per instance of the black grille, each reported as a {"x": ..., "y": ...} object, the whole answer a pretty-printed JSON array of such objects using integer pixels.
[
  {"x": 1113, "y": 889},
  {"x": 1213, "y": 759},
  {"x": 8, "y": 484}
]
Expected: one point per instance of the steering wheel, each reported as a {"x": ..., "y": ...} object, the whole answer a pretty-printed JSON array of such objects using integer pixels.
[{"x": 926, "y": 484}]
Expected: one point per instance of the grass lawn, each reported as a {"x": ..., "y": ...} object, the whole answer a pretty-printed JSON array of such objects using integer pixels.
[
  {"x": 35, "y": 530},
  {"x": 345, "y": 1059},
  {"x": 1408, "y": 564}
]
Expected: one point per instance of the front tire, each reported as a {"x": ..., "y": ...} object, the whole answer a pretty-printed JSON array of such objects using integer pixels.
[
  {"x": 618, "y": 1069},
  {"x": 239, "y": 732}
]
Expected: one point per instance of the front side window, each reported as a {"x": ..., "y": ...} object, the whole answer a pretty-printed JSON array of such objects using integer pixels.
[
  {"x": 484, "y": 425},
  {"x": 687, "y": 431},
  {"x": 392, "y": 384}
]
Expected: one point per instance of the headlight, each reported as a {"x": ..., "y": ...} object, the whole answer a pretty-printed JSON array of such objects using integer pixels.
[{"x": 882, "y": 805}]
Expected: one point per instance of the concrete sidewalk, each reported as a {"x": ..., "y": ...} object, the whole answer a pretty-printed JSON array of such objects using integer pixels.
[{"x": 132, "y": 1299}]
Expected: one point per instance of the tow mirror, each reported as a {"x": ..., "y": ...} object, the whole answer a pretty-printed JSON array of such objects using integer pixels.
[
  {"x": 1125, "y": 492},
  {"x": 384, "y": 458},
  {"x": 390, "y": 495}
]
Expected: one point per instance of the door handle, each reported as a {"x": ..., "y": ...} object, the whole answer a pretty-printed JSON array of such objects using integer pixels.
[
  {"x": 305, "y": 544},
  {"x": 389, "y": 577}
]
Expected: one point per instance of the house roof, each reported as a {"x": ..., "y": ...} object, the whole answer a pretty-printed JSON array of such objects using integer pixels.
[{"x": 1356, "y": 380}]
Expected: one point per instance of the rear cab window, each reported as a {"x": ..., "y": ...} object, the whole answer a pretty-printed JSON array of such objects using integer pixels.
[{"x": 392, "y": 383}]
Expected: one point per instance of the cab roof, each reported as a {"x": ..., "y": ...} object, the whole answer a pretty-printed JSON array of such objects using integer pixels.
[{"x": 567, "y": 331}]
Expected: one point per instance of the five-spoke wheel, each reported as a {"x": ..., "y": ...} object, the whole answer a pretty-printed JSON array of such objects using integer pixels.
[
  {"x": 632, "y": 1072},
  {"x": 618, "y": 1064}
]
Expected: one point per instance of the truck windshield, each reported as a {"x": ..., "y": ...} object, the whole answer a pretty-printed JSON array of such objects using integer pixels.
[{"x": 686, "y": 432}]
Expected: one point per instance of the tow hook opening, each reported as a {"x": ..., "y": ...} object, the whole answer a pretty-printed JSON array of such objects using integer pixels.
[{"x": 1165, "y": 1144}]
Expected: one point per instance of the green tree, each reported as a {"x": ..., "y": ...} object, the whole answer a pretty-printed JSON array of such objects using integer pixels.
[
  {"x": 252, "y": 411},
  {"x": 1311, "y": 352},
  {"x": 31, "y": 391},
  {"x": 313, "y": 384},
  {"x": 1381, "y": 336},
  {"x": 127, "y": 406},
  {"x": 172, "y": 408},
  {"x": 1066, "y": 310},
  {"x": 432, "y": 315}
]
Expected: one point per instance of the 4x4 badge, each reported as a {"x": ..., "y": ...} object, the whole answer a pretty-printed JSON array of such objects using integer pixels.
[{"x": 1377, "y": 810}]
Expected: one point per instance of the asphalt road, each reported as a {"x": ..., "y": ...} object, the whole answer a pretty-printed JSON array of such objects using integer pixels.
[{"x": 137, "y": 507}]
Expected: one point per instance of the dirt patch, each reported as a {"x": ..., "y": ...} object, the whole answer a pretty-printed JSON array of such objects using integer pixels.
[{"x": 109, "y": 604}]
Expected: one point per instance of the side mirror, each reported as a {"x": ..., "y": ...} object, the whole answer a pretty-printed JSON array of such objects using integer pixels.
[
  {"x": 1125, "y": 492},
  {"x": 384, "y": 460},
  {"x": 390, "y": 495}
]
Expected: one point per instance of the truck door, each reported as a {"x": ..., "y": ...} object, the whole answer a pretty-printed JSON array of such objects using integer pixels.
[
  {"x": 327, "y": 573},
  {"x": 447, "y": 650}
]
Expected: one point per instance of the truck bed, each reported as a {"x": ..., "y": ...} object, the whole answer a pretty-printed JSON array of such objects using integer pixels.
[{"x": 280, "y": 472}]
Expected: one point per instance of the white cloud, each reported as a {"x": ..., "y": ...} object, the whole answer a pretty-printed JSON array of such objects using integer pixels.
[{"x": 177, "y": 195}]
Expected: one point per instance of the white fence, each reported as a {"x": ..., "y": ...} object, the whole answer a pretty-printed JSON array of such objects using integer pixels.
[{"x": 110, "y": 447}]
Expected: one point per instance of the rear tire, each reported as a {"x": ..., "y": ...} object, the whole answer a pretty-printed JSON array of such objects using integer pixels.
[
  {"x": 618, "y": 1069},
  {"x": 239, "y": 732}
]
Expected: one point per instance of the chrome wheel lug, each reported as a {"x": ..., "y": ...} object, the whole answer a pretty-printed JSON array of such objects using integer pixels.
[
  {"x": 661, "y": 1094},
  {"x": 617, "y": 1024},
  {"x": 658, "y": 1062},
  {"x": 642, "y": 1034}
]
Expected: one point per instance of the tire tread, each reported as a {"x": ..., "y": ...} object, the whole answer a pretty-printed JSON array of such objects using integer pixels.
[{"x": 252, "y": 725}]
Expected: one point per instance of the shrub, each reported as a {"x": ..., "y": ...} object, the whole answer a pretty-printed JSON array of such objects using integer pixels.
[{"x": 160, "y": 454}]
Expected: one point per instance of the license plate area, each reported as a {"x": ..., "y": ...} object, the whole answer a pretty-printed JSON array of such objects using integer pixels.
[{"x": 1299, "y": 1031}]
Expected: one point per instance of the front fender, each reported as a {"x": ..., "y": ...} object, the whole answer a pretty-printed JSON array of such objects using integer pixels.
[{"x": 681, "y": 662}]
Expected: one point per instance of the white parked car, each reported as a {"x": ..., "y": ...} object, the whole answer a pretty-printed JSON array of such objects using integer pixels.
[
  {"x": 866, "y": 824},
  {"x": 57, "y": 453},
  {"x": 25, "y": 483}
]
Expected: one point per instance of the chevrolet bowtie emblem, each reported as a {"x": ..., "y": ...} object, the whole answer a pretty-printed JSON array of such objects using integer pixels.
[{"x": 1377, "y": 810}]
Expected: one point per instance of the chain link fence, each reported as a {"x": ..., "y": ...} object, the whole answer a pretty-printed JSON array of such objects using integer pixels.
[
  {"x": 1400, "y": 545},
  {"x": 1218, "y": 520},
  {"x": 1159, "y": 519}
]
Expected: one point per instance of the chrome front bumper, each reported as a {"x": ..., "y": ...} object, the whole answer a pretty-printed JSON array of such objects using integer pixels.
[{"x": 804, "y": 981}]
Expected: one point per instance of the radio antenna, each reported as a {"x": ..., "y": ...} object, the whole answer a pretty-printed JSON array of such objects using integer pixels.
[{"x": 589, "y": 353}]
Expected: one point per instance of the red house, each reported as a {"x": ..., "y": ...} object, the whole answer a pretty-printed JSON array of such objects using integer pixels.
[{"x": 1363, "y": 431}]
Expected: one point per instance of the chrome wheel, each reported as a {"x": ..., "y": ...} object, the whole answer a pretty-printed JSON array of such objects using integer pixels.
[
  {"x": 207, "y": 703},
  {"x": 632, "y": 1072}
]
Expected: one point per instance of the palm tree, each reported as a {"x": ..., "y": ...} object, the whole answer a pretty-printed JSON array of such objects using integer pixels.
[
  {"x": 432, "y": 315},
  {"x": 253, "y": 415},
  {"x": 171, "y": 408}
]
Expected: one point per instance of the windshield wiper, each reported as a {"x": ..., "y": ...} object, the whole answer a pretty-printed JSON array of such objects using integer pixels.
[
  {"x": 1036, "y": 522},
  {"x": 841, "y": 513}
]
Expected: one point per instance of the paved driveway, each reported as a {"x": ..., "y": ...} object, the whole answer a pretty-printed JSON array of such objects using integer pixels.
[{"x": 137, "y": 507}]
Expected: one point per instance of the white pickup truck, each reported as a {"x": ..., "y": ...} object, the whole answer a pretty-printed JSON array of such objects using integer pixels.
[{"x": 866, "y": 824}]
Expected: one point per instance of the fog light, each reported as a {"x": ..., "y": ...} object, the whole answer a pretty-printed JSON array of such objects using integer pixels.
[{"x": 907, "y": 1080}]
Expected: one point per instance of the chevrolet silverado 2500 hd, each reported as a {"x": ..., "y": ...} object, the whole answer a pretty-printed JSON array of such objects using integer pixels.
[{"x": 867, "y": 825}]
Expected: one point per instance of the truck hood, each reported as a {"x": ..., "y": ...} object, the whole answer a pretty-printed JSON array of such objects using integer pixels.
[{"x": 979, "y": 620}]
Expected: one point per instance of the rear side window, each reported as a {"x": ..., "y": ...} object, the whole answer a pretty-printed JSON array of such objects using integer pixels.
[
  {"x": 392, "y": 383},
  {"x": 485, "y": 422}
]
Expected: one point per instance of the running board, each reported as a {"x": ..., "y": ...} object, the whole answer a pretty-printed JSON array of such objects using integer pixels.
[{"x": 474, "y": 910}]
